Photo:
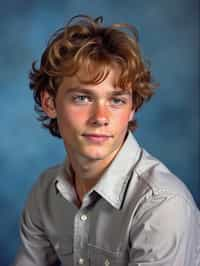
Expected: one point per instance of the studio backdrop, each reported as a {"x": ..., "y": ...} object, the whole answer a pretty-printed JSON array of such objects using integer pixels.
[{"x": 168, "y": 125}]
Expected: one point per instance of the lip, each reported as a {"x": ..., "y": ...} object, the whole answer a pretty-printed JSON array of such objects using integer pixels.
[{"x": 96, "y": 138}]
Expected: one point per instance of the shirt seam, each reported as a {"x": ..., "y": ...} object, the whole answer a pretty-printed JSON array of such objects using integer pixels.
[
  {"x": 156, "y": 190},
  {"x": 169, "y": 193}
]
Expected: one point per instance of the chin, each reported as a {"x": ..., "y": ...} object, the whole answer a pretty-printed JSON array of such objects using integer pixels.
[
  {"x": 97, "y": 154},
  {"x": 93, "y": 157}
]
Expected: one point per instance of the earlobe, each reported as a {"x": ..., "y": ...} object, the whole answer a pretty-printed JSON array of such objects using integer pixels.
[
  {"x": 131, "y": 115},
  {"x": 48, "y": 104}
]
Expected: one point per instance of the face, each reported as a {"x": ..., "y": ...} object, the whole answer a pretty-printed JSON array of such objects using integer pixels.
[{"x": 92, "y": 119}]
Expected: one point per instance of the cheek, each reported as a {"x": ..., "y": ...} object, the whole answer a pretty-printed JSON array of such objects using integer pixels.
[
  {"x": 122, "y": 119},
  {"x": 69, "y": 117}
]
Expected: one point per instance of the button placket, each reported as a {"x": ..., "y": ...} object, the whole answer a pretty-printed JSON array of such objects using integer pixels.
[
  {"x": 81, "y": 261},
  {"x": 81, "y": 228},
  {"x": 107, "y": 262},
  {"x": 83, "y": 217}
]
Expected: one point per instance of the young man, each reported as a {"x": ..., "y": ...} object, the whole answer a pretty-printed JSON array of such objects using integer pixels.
[{"x": 110, "y": 202}]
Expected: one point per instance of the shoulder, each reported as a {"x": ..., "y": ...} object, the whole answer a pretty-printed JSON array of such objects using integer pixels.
[
  {"x": 38, "y": 199},
  {"x": 156, "y": 192},
  {"x": 46, "y": 180},
  {"x": 159, "y": 180},
  {"x": 166, "y": 216}
]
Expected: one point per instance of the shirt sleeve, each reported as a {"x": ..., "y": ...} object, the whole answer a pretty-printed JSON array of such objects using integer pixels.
[
  {"x": 35, "y": 249},
  {"x": 166, "y": 232}
]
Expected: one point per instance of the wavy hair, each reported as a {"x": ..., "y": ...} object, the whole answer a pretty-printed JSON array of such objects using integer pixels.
[{"x": 85, "y": 43}]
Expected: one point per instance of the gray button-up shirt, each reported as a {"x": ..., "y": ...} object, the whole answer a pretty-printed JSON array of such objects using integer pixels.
[{"x": 138, "y": 214}]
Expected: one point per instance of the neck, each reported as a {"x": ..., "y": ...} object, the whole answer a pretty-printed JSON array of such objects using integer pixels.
[{"x": 87, "y": 173}]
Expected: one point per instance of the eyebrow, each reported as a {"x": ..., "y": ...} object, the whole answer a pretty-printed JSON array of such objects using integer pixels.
[{"x": 87, "y": 91}]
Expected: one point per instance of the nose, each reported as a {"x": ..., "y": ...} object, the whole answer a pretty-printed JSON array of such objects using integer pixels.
[{"x": 99, "y": 115}]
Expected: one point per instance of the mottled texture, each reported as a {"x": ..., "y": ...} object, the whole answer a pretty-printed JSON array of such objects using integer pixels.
[{"x": 168, "y": 125}]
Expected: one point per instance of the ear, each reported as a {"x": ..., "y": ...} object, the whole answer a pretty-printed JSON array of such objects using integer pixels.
[
  {"x": 131, "y": 116},
  {"x": 48, "y": 104}
]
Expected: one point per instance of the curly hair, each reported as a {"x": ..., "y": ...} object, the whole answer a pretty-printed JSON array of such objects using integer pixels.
[{"x": 85, "y": 43}]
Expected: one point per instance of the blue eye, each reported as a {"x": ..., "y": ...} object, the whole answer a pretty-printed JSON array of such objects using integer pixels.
[
  {"x": 81, "y": 99},
  {"x": 118, "y": 101}
]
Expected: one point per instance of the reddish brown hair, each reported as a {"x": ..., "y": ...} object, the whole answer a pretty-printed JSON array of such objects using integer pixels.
[{"x": 87, "y": 43}]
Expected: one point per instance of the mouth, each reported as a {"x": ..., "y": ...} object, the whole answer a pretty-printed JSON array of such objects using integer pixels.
[{"x": 97, "y": 138}]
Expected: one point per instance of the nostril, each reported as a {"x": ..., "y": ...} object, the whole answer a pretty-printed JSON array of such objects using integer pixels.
[
  {"x": 100, "y": 115},
  {"x": 100, "y": 122}
]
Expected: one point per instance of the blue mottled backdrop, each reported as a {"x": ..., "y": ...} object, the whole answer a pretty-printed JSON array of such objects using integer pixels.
[{"x": 168, "y": 125}]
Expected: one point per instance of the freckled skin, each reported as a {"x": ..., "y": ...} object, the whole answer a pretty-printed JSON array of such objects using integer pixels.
[
  {"x": 97, "y": 116},
  {"x": 93, "y": 122}
]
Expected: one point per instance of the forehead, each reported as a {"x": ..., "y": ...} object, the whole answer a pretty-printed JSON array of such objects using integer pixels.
[
  {"x": 94, "y": 77},
  {"x": 108, "y": 76}
]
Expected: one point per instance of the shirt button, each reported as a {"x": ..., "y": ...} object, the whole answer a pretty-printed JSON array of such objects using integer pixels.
[
  {"x": 81, "y": 261},
  {"x": 83, "y": 217},
  {"x": 107, "y": 262}
]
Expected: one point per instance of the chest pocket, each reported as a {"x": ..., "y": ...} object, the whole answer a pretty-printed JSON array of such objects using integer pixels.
[
  {"x": 101, "y": 257},
  {"x": 64, "y": 250}
]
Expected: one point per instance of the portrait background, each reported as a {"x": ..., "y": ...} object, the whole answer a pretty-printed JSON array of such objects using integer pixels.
[{"x": 168, "y": 124}]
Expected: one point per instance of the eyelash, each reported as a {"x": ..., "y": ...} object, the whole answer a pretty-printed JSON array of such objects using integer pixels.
[
  {"x": 122, "y": 101},
  {"x": 77, "y": 99}
]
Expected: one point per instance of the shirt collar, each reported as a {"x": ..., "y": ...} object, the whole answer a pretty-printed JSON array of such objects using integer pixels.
[{"x": 113, "y": 183}]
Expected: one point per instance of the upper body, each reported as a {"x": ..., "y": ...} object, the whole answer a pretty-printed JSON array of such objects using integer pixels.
[
  {"x": 138, "y": 214},
  {"x": 111, "y": 203}
]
